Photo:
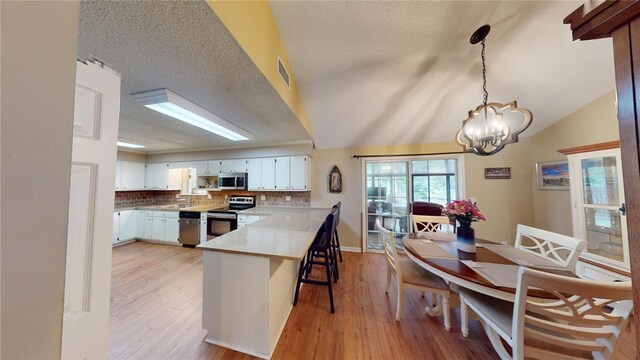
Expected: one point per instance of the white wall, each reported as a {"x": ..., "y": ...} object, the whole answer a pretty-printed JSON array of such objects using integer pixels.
[{"x": 38, "y": 59}]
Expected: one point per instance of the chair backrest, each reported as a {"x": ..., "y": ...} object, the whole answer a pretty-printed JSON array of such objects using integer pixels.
[
  {"x": 338, "y": 205},
  {"x": 390, "y": 250},
  {"x": 429, "y": 223},
  {"x": 560, "y": 249},
  {"x": 426, "y": 208},
  {"x": 584, "y": 315},
  {"x": 325, "y": 233}
]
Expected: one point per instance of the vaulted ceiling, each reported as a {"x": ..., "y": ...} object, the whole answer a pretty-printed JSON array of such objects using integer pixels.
[{"x": 369, "y": 73}]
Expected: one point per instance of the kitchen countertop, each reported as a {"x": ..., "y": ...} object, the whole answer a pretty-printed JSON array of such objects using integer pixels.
[
  {"x": 168, "y": 207},
  {"x": 285, "y": 233}
]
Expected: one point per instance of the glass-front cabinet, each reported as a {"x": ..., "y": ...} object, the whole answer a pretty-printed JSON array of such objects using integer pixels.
[{"x": 598, "y": 209}]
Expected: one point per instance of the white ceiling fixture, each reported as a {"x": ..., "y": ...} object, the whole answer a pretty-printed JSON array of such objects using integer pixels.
[
  {"x": 130, "y": 145},
  {"x": 169, "y": 103}
]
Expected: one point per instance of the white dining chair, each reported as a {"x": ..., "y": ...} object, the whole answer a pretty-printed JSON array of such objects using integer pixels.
[
  {"x": 583, "y": 318},
  {"x": 560, "y": 249},
  {"x": 430, "y": 223},
  {"x": 411, "y": 275}
]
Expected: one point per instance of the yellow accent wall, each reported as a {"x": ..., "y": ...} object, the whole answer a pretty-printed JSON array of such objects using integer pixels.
[{"x": 253, "y": 26}]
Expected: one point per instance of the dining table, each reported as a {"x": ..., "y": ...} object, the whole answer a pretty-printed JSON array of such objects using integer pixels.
[{"x": 491, "y": 270}]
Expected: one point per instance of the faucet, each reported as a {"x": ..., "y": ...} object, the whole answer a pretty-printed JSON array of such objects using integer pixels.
[{"x": 187, "y": 201}]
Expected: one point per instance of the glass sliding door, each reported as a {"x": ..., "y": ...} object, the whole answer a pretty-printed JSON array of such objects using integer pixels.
[
  {"x": 387, "y": 199},
  {"x": 434, "y": 180},
  {"x": 392, "y": 184}
]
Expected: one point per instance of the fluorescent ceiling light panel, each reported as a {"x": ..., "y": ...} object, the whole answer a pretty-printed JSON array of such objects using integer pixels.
[
  {"x": 169, "y": 103},
  {"x": 130, "y": 145}
]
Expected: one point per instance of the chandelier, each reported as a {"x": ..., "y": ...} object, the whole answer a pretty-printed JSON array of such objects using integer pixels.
[{"x": 491, "y": 126}]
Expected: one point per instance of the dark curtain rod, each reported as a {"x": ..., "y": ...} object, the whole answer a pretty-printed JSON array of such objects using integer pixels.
[{"x": 400, "y": 155}]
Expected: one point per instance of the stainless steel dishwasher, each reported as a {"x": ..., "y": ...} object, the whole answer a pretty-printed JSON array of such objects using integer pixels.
[{"x": 189, "y": 228}]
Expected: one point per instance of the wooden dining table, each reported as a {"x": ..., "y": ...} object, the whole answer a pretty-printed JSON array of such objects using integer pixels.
[{"x": 438, "y": 253}]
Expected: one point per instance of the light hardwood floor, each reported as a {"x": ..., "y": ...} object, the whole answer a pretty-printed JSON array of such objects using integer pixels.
[{"x": 156, "y": 313}]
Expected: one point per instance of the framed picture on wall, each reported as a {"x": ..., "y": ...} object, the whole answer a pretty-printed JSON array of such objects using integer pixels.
[
  {"x": 553, "y": 175},
  {"x": 497, "y": 173}
]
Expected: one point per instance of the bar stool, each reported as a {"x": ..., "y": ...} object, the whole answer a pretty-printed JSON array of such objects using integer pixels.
[
  {"x": 320, "y": 248},
  {"x": 336, "y": 239}
]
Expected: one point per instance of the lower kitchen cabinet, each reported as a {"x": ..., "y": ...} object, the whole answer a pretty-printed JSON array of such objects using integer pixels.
[
  {"x": 161, "y": 226},
  {"x": 124, "y": 226},
  {"x": 244, "y": 220}
]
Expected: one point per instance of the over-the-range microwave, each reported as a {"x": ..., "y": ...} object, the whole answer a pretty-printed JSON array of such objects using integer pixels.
[{"x": 232, "y": 181}]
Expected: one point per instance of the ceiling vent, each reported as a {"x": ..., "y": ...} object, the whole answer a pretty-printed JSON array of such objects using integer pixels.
[{"x": 284, "y": 75}]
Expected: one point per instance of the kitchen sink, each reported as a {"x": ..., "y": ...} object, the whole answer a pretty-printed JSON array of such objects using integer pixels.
[{"x": 176, "y": 206}]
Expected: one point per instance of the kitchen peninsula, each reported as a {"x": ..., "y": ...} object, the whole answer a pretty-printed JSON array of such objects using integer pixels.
[{"x": 250, "y": 276}]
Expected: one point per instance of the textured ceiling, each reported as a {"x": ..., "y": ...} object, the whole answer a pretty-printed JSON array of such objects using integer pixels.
[
  {"x": 379, "y": 73},
  {"x": 184, "y": 47}
]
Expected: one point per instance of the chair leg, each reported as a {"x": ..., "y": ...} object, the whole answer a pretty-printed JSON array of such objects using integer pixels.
[
  {"x": 326, "y": 262},
  {"x": 464, "y": 317},
  {"x": 300, "y": 273},
  {"x": 334, "y": 263},
  {"x": 400, "y": 302},
  {"x": 445, "y": 310},
  {"x": 338, "y": 243},
  {"x": 388, "y": 278}
]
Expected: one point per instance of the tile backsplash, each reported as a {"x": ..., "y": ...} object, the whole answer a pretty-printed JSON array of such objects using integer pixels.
[{"x": 272, "y": 198}]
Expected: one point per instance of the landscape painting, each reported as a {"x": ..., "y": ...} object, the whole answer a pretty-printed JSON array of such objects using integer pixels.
[{"x": 553, "y": 175}]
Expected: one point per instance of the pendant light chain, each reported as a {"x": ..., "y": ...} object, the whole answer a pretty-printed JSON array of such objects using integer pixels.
[{"x": 484, "y": 76}]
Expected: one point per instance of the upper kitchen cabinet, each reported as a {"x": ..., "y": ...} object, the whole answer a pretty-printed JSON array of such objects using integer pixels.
[
  {"x": 237, "y": 165},
  {"x": 158, "y": 176},
  {"x": 261, "y": 174},
  {"x": 130, "y": 175},
  {"x": 182, "y": 165},
  {"x": 300, "y": 171},
  {"x": 207, "y": 168},
  {"x": 292, "y": 173}
]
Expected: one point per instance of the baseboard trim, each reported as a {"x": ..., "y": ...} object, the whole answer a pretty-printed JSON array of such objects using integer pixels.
[
  {"x": 350, "y": 249},
  {"x": 235, "y": 348}
]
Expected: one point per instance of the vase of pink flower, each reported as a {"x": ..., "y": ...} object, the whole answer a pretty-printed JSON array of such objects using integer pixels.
[{"x": 464, "y": 212}]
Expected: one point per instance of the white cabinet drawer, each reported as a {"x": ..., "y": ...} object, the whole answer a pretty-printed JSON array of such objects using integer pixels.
[{"x": 592, "y": 272}]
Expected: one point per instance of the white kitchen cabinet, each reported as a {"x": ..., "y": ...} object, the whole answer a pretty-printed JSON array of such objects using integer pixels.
[
  {"x": 592, "y": 272},
  {"x": 236, "y": 165},
  {"x": 202, "y": 168},
  {"x": 147, "y": 230},
  {"x": 283, "y": 174},
  {"x": 156, "y": 176},
  {"x": 254, "y": 174},
  {"x": 268, "y": 174},
  {"x": 176, "y": 177},
  {"x": 244, "y": 220},
  {"x": 132, "y": 175},
  {"x": 203, "y": 227},
  {"x": 214, "y": 167},
  {"x": 116, "y": 228},
  {"x": 162, "y": 226},
  {"x": 118, "y": 175},
  {"x": 299, "y": 173},
  {"x": 124, "y": 226},
  {"x": 140, "y": 224}
]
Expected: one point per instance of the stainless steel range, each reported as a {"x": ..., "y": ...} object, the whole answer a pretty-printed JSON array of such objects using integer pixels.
[{"x": 224, "y": 220}]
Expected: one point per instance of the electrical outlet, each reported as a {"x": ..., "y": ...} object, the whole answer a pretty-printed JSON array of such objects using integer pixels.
[
  {"x": 208, "y": 196},
  {"x": 287, "y": 198},
  {"x": 263, "y": 198},
  {"x": 226, "y": 196},
  {"x": 177, "y": 196}
]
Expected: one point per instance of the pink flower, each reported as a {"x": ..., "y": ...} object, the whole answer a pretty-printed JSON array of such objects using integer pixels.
[{"x": 463, "y": 211}]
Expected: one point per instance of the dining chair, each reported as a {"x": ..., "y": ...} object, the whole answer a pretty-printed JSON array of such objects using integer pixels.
[
  {"x": 582, "y": 319},
  {"x": 560, "y": 249},
  {"x": 430, "y": 223},
  {"x": 320, "y": 248},
  {"x": 411, "y": 275}
]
